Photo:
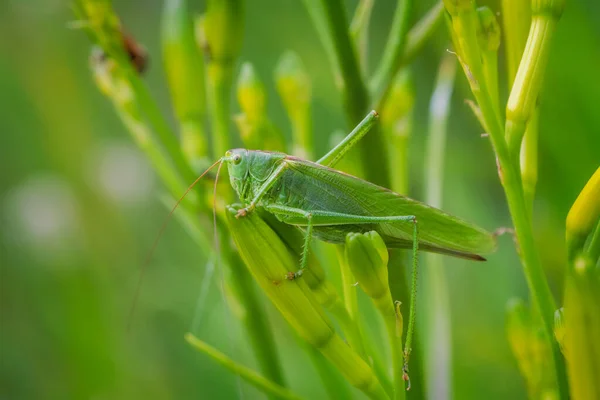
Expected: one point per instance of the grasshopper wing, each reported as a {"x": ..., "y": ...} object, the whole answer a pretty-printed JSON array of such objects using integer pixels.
[{"x": 316, "y": 187}]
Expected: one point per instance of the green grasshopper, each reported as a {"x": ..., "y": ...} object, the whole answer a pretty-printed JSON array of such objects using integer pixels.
[{"x": 329, "y": 204}]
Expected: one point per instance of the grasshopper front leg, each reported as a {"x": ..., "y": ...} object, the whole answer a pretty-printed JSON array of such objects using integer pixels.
[{"x": 268, "y": 184}]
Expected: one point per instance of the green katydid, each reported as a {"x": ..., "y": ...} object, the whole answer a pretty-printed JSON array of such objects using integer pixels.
[{"x": 329, "y": 204}]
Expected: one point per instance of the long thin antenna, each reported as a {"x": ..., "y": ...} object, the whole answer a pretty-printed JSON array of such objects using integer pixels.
[
  {"x": 155, "y": 243},
  {"x": 216, "y": 235}
]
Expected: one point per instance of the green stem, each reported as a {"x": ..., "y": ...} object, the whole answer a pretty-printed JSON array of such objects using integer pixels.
[
  {"x": 582, "y": 296},
  {"x": 394, "y": 48},
  {"x": 593, "y": 249},
  {"x": 438, "y": 335},
  {"x": 220, "y": 82},
  {"x": 528, "y": 81},
  {"x": 415, "y": 41},
  {"x": 334, "y": 385},
  {"x": 529, "y": 160},
  {"x": 464, "y": 26},
  {"x": 394, "y": 333},
  {"x": 249, "y": 375},
  {"x": 184, "y": 68},
  {"x": 254, "y": 318},
  {"x": 359, "y": 30},
  {"x": 354, "y": 92},
  {"x": 349, "y": 295}
]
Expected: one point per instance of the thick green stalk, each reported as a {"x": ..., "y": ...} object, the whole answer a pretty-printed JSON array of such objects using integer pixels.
[
  {"x": 394, "y": 48},
  {"x": 254, "y": 318},
  {"x": 350, "y": 301},
  {"x": 438, "y": 335},
  {"x": 367, "y": 258},
  {"x": 249, "y": 375},
  {"x": 464, "y": 25},
  {"x": 354, "y": 92},
  {"x": 184, "y": 68},
  {"x": 528, "y": 81},
  {"x": 270, "y": 261}
]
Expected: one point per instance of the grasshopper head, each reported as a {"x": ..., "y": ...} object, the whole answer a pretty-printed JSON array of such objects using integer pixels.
[{"x": 237, "y": 165}]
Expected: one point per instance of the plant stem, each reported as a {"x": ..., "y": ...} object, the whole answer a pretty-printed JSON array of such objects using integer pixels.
[
  {"x": 350, "y": 301},
  {"x": 184, "y": 68},
  {"x": 415, "y": 41},
  {"x": 528, "y": 81},
  {"x": 249, "y": 375},
  {"x": 394, "y": 48},
  {"x": 354, "y": 92},
  {"x": 394, "y": 333},
  {"x": 464, "y": 26},
  {"x": 529, "y": 160},
  {"x": 254, "y": 318},
  {"x": 220, "y": 82},
  {"x": 438, "y": 339},
  {"x": 359, "y": 30}
]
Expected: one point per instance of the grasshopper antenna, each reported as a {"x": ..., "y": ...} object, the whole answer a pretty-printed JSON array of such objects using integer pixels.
[
  {"x": 212, "y": 265},
  {"x": 155, "y": 243}
]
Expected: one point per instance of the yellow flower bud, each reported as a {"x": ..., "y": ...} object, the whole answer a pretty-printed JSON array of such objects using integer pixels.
[
  {"x": 251, "y": 93},
  {"x": 584, "y": 215}
]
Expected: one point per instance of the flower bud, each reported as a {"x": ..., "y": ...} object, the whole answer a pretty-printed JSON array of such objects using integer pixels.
[
  {"x": 224, "y": 28},
  {"x": 489, "y": 30},
  {"x": 518, "y": 330},
  {"x": 458, "y": 6},
  {"x": 584, "y": 214},
  {"x": 294, "y": 87},
  {"x": 251, "y": 93},
  {"x": 367, "y": 257},
  {"x": 552, "y": 8}
]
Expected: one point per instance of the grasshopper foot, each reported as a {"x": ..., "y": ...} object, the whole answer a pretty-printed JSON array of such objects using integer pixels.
[
  {"x": 293, "y": 275},
  {"x": 242, "y": 212}
]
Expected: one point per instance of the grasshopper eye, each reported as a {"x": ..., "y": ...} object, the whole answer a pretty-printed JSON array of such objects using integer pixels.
[{"x": 237, "y": 159}]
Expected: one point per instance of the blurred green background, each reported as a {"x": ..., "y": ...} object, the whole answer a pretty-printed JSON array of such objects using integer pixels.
[{"x": 79, "y": 209}]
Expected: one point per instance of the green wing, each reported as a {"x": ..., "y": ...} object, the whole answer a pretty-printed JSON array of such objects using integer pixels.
[{"x": 312, "y": 186}]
